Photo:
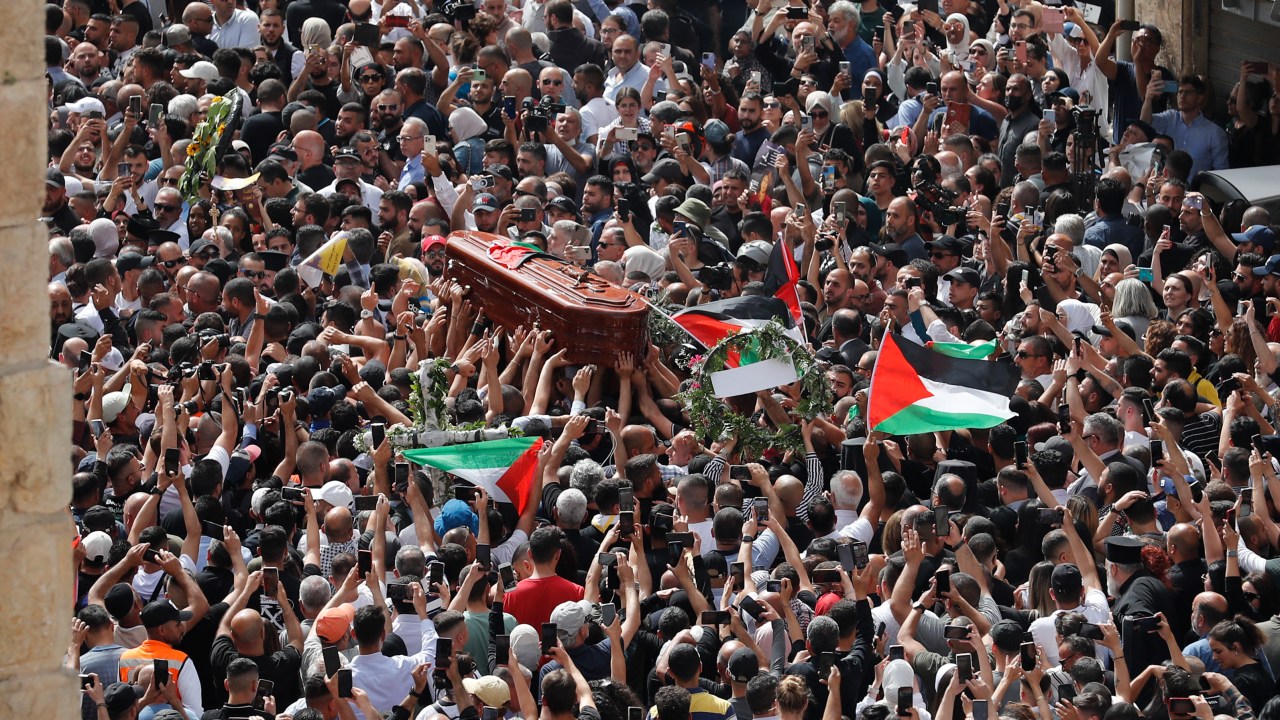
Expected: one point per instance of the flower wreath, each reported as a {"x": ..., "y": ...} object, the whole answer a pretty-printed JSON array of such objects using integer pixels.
[
  {"x": 716, "y": 416},
  {"x": 202, "y": 154}
]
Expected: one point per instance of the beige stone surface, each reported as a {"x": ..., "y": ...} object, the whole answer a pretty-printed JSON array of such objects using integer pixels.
[{"x": 35, "y": 528}]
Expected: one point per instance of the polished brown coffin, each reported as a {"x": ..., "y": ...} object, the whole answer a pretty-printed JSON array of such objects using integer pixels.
[{"x": 595, "y": 320}]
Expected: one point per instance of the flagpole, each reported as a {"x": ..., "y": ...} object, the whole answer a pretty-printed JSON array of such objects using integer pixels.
[{"x": 658, "y": 310}]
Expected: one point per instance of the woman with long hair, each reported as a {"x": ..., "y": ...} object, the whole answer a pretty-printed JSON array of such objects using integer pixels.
[
  {"x": 630, "y": 115},
  {"x": 1133, "y": 304},
  {"x": 1180, "y": 292},
  {"x": 1235, "y": 644}
]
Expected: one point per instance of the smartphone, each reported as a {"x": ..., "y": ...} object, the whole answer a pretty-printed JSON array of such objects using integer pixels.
[
  {"x": 444, "y": 652},
  {"x": 955, "y": 632},
  {"x": 1130, "y": 25},
  {"x": 1064, "y": 418},
  {"x": 635, "y": 713},
  {"x": 1231, "y": 516},
  {"x": 135, "y": 106},
  {"x": 160, "y": 671},
  {"x": 714, "y": 617},
  {"x": 626, "y": 524},
  {"x": 366, "y": 502},
  {"x": 1090, "y": 631},
  {"x": 905, "y": 700},
  {"x": 97, "y": 427},
  {"x": 489, "y": 713},
  {"x": 737, "y": 571},
  {"x": 151, "y": 556},
  {"x": 1157, "y": 452},
  {"x": 270, "y": 581},
  {"x": 501, "y": 648},
  {"x": 797, "y": 12},
  {"x": 401, "y": 477},
  {"x": 509, "y": 106},
  {"x": 155, "y": 114},
  {"x": 122, "y": 169},
  {"x": 626, "y": 499},
  {"x": 1170, "y": 87},
  {"x": 709, "y": 61},
  {"x": 378, "y": 432},
  {"x": 507, "y": 575},
  {"x": 1181, "y": 705},
  {"x": 1195, "y": 202},
  {"x": 861, "y": 554},
  {"x": 265, "y": 688},
  {"x": 825, "y": 662},
  {"x": 1020, "y": 454},
  {"x": 775, "y": 586},
  {"x": 483, "y": 556},
  {"x": 755, "y": 77},
  {"x": 931, "y": 88},
  {"x": 608, "y": 613},
  {"x": 548, "y": 638},
  {"x": 1020, "y": 51},
  {"x": 979, "y": 710},
  {"x": 1246, "y": 502},
  {"x": 845, "y": 551},
  {"x": 1028, "y": 651},
  {"x": 964, "y": 666},
  {"x": 210, "y": 529},
  {"x": 435, "y": 573},
  {"x": 365, "y": 559},
  {"x": 398, "y": 593},
  {"x": 1148, "y": 411},
  {"x": 751, "y": 607},
  {"x": 762, "y": 510},
  {"x": 896, "y": 652},
  {"x": 942, "y": 579},
  {"x": 332, "y": 661},
  {"x": 344, "y": 679},
  {"x": 941, "y": 522}
]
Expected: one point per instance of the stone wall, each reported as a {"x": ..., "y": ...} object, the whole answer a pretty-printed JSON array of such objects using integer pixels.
[
  {"x": 1183, "y": 23},
  {"x": 35, "y": 424}
]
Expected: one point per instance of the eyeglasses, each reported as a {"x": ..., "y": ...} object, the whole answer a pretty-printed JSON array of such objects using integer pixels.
[
  {"x": 255, "y": 274},
  {"x": 1025, "y": 354},
  {"x": 406, "y": 138},
  {"x": 1251, "y": 596},
  {"x": 553, "y": 82},
  {"x": 1088, "y": 437},
  {"x": 1238, "y": 276},
  {"x": 173, "y": 263},
  {"x": 166, "y": 181},
  {"x": 161, "y": 207},
  {"x": 1020, "y": 26},
  {"x": 435, "y": 253}
]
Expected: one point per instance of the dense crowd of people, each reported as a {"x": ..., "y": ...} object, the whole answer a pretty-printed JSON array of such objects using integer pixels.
[{"x": 252, "y": 542}]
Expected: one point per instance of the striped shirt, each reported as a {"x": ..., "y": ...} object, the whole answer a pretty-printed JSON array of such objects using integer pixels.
[{"x": 704, "y": 706}]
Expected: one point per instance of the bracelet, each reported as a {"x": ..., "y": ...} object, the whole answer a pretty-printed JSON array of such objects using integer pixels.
[{"x": 399, "y": 337}]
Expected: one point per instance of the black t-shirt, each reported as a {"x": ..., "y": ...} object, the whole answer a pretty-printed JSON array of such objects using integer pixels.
[
  {"x": 260, "y": 132},
  {"x": 317, "y": 177},
  {"x": 281, "y": 667},
  {"x": 196, "y": 644}
]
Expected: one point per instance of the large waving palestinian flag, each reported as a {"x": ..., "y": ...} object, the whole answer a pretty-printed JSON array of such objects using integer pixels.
[
  {"x": 714, "y": 321},
  {"x": 504, "y": 468},
  {"x": 915, "y": 389}
]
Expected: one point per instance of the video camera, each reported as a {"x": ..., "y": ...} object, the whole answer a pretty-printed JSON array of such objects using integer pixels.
[
  {"x": 540, "y": 115},
  {"x": 460, "y": 10},
  {"x": 936, "y": 199},
  {"x": 716, "y": 277}
]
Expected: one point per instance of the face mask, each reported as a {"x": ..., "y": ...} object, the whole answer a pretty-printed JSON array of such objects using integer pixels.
[{"x": 1014, "y": 103}]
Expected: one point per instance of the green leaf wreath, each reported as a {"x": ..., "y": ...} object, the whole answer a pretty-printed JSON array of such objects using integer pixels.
[
  {"x": 770, "y": 342},
  {"x": 202, "y": 154}
]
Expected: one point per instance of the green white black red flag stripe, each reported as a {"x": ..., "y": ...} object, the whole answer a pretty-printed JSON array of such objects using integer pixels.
[{"x": 915, "y": 389}]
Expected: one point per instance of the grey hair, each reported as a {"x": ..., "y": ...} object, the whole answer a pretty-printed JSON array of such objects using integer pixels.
[
  {"x": 846, "y": 9},
  {"x": 410, "y": 560},
  {"x": 823, "y": 634},
  {"x": 571, "y": 507},
  {"x": 61, "y": 248},
  {"x": 314, "y": 592},
  {"x": 183, "y": 106},
  {"x": 1072, "y": 226},
  {"x": 586, "y": 475},
  {"x": 843, "y": 486},
  {"x": 1133, "y": 298},
  {"x": 1108, "y": 429}
]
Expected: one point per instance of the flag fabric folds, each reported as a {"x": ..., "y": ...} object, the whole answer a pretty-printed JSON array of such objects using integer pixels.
[
  {"x": 504, "y": 468},
  {"x": 915, "y": 389}
]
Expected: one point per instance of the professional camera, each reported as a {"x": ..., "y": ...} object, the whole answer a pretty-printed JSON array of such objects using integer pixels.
[
  {"x": 539, "y": 116},
  {"x": 937, "y": 200},
  {"x": 460, "y": 10},
  {"x": 1086, "y": 121},
  {"x": 716, "y": 277}
]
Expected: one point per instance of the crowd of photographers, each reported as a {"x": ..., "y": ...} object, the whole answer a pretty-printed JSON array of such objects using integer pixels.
[{"x": 252, "y": 544}]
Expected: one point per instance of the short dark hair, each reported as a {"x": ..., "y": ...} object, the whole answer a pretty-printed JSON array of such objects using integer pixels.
[
  {"x": 672, "y": 703},
  {"x": 544, "y": 544}
]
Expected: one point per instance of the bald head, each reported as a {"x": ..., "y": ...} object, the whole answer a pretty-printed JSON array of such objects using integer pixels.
[
  {"x": 338, "y": 524},
  {"x": 1184, "y": 542},
  {"x": 790, "y": 491},
  {"x": 246, "y": 631}
]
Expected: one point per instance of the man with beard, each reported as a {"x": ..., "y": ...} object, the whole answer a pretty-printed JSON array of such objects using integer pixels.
[
  {"x": 900, "y": 228},
  {"x": 1022, "y": 119},
  {"x": 393, "y": 218},
  {"x": 1137, "y": 593},
  {"x": 55, "y": 209},
  {"x": 279, "y": 51},
  {"x": 754, "y": 133},
  {"x": 433, "y": 254},
  {"x": 86, "y": 64},
  {"x": 389, "y": 109},
  {"x": 315, "y": 76},
  {"x": 352, "y": 118},
  {"x": 567, "y": 152}
]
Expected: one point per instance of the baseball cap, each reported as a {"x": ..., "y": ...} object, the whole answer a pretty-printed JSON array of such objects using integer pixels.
[
  {"x": 947, "y": 243},
  {"x": 1066, "y": 581},
  {"x": 333, "y": 623},
  {"x": 431, "y": 241},
  {"x": 1260, "y": 235},
  {"x": 966, "y": 275},
  {"x": 1072, "y": 31},
  {"x": 1271, "y": 267},
  {"x": 564, "y": 203},
  {"x": 1059, "y": 444},
  {"x": 336, "y": 493},
  {"x": 664, "y": 169},
  {"x": 322, "y": 399},
  {"x": 200, "y": 246},
  {"x": 346, "y": 152},
  {"x": 98, "y": 517},
  {"x": 86, "y": 104},
  {"x": 97, "y": 545},
  {"x": 177, "y": 34},
  {"x": 1063, "y": 92},
  {"x": 53, "y": 177},
  {"x": 137, "y": 261},
  {"x": 485, "y": 201},
  {"x": 492, "y": 691},
  {"x": 456, "y": 513},
  {"x": 892, "y": 252},
  {"x": 757, "y": 251},
  {"x": 159, "y": 612},
  {"x": 743, "y": 665},
  {"x": 569, "y": 618},
  {"x": 1124, "y": 326},
  {"x": 119, "y": 697},
  {"x": 202, "y": 70},
  {"x": 716, "y": 131},
  {"x": 499, "y": 170},
  {"x": 114, "y": 403}
]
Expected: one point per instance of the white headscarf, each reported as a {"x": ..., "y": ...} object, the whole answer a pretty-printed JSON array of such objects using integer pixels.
[
  {"x": 466, "y": 124},
  {"x": 639, "y": 258},
  {"x": 106, "y": 239},
  {"x": 1081, "y": 317},
  {"x": 961, "y": 49}
]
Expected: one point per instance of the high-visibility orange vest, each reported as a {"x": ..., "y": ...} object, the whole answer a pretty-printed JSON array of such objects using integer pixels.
[{"x": 133, "y": 659}]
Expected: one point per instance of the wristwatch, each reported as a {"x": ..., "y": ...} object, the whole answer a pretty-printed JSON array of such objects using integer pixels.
[
  {"x": 1232, "y": 553},
  {"x": 366, "y": 314},
  {"x": 748, "y": 538}
]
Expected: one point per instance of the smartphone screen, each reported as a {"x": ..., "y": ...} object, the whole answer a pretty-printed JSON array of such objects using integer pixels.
[
  {"x": 377, "y": 431},
  {"x": 905, "y": 700},
  {"x": 626, "y": 524},
  {"x": 501, "y": 648},
  {"x": 979, "y": 710},
  {"x": 861, "y": 555},
  {"x": 943, "y": 578},
  {"x": 1028, "y": 651},
  {"x": 737, "y": 571},
  {"x": 435, "y": 573},
  {"x": 964, "y": 666},
  {"x": 344, "y": 683},
  {"x": 482, "y": 555},
  {"x": 762, "y": 510},
  {"x": 171, "y": 460},
  {"x": 548, "y": 638},
  {"x": 366, "y": 562},
  {"x": 941, "y": 522},
  {"x": 160, "y": 669},
  {"x": 846, "y": 557},
  {"x": 402, "y": 477},
  {"x": 270, "y": 581},
  {"x": 896, "y": 652},
  {"x": 444, "y": 652},
  {"x": 332, "y": 661}
]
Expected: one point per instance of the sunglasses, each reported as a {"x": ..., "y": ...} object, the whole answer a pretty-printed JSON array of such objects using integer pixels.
[
  {"x": 161, "y": 207},
  {"x": 552, "y": 82},
  {"x": 166, "y": 181},
  {"x": 819, "y": 114},
  {"x": 388, "y": 108},
  {"x": 372, "y": 78},
  {"x": 1025, "y": 354},
  {"x": 173, "y": 263},
  {"x": 255, "y": 274}
]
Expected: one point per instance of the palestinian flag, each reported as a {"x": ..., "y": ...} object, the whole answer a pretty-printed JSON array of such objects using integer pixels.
[
  {"x": 915, "y": 389},
  {"x": 504, "y": 468},
  {"x": 714, "y": 321},
  {"x": 782, "y": 278}
]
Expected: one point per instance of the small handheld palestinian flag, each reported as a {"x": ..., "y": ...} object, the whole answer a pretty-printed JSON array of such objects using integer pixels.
[{"x": 915, "y": 389}]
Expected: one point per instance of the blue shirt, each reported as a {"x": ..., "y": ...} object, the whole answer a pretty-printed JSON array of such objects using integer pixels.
[
  {"x": 908, "y": 111},
  {"x": 1202, "y": 139},
  {"x": 861, "y": 59},
  {"x": 1114, "y": 229},
  {"x": 981, "y": 122},
  {"x": 411, "y": 173}
]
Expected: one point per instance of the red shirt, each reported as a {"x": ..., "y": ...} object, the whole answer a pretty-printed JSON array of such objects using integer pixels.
[{"x": 533, "y": 599}]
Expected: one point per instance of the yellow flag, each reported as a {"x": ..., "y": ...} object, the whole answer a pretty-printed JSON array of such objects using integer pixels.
[{"x": 324, "y": 261}]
